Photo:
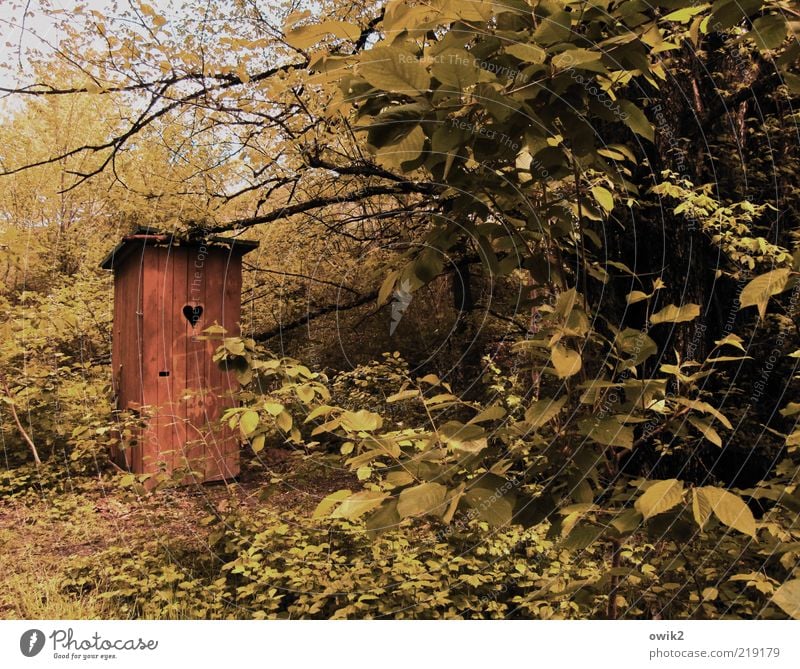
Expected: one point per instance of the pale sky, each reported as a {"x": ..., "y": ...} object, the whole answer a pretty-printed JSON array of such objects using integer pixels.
[
  {"x": 24, "y": 25},
  {"x": 21, "y": 30}
]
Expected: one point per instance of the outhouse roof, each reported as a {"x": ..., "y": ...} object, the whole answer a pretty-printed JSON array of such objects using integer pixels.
[{"x": 143, "y": 237}]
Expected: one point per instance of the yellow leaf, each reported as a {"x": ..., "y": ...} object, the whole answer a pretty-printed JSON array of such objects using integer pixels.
[
  {"x": 604, "y": 197},
  {"x": 759, "y": 290},
  {"x": 636, "y": 296},
  {"x": 566, "y": 361},
  {"x": 329, "y": 502},
  {"x": 661, "y": 496},
  {"x": 674, "y": 314},
  {"x": 730, "y": 509},
  {"x": 308, "y": 35},
  {"x": 359, "y": 504},
  {"x": 543, "y": 411},
  {"x": 387, "y": 287},
  {"x": 788, "y": 598}
]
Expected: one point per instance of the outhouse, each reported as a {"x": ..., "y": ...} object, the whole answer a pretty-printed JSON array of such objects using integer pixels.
[{"x": 167, "y": 290}]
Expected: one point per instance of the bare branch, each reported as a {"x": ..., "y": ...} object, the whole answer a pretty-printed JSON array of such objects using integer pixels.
[{"x": 404, "y": 188}]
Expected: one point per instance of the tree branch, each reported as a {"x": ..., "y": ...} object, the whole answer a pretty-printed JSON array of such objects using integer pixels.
[
  {"x": 311, "y": 315},
  {"x": 23, "y": 433},
  {"x": 403, "y": 188}
]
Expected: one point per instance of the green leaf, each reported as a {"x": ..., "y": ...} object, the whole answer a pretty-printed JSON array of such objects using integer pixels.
[
  {"x": 403, "y": 395},
  {"x": 730, "y": 509},
  {"x": 455, "y": 68},
  {"x": 627, "y": 521},
  {"x": 493, "y": 500},
  {"x": 706, "y": 430},
  {"x": 306, "y": 36},
  {"x": 575, "y": 58},
  {"x": 322, "y": 410},
  {"x": 553, "y": 28},
  {"x": 565, "y": 303},
  {"x": 788, "y": 598},
  {"x": 394, "y": 124},
  {"x": 448, "y": 137},
  {"x": 248, "y": 423},
  {"x": 472, "y": 10},
  {"x": 528, "y": 53},
  {"x": 421, "y": 499},
  {"x": 791, "y": 409},
  {"x": 604, "y": 197},
  {"x": 792, "y": 82},
  {"x": 705, "y": 407},
  {"x": 581, "y": 537},
  {"x": 727, "y": 14},
  {"x": 257, "y": 443},
  {"x": 357, "y": 505},
  {"x": 543, "y": 411},
  {"x": 386, "y": 445},
  {"x": 637, "y": 344},
  {"x": 490, "y": 413},
  {"x": 392, "y": 69},
  {"x": 758, "y": 291},
  {"x": 387, "y": 287},
  {"x": 328, "y": 503},
  {"x": 565, "y": 361},
  {"x": 731, "y": 340},
  {"x": 635, "y": 119},
  {"x": 305, "y": 394},
  {"x": 606, "y": 431},
  {"x": 455, "y": 432},
  {"x": 406, "y": 150},
  {"x": 637, "y": 296},
  {"x": 284, "y": 421},
  {"x": 684, "y": 14},
  {"x": 701, "y": 508},
  {"x": 661, "y": 496},
  {"x": 399, "y": 479},
  {"x": 768, "y": 31},
  {"x": 453, "y": 500},
  {"x": 385, "y": 518},
  {"x": 487, "y": 254},
  {"x": 674, "y": 314},
  {"x": 357, "y": 421}
]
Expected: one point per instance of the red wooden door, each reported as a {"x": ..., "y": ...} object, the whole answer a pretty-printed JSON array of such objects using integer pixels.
[{"x": 165, "y": 295}]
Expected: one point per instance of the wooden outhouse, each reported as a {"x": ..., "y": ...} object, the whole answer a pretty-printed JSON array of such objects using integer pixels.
[{"x": 166, "y": 292}]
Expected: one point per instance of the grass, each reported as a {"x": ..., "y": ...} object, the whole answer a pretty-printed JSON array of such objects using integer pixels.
[
  {"x": 43, "y": 533},
  {"x": 35, "y": 594}
]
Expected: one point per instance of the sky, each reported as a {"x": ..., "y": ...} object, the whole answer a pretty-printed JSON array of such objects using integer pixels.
[
  {"x": 24, "y": 25},
  {"x": 22, "y": 29}
]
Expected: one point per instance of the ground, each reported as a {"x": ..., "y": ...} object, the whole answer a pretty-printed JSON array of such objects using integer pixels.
[{"x": 43, "y": 535}]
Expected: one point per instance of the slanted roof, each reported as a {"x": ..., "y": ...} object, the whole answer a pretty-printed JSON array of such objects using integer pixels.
[{"x": 147, "y": 237}]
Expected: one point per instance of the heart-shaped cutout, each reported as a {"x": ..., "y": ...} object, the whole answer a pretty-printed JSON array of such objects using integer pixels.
[{"x": 192, "y": 313}]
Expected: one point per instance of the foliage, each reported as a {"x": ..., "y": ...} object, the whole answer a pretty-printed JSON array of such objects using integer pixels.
[
  {"x": 600, "y": 168},
  {"x": 456, "y": 472},
  {"x": 150, "y": 583},
  {"x": 270, "y": 565},
  {"x": 728, "y": 226}
]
